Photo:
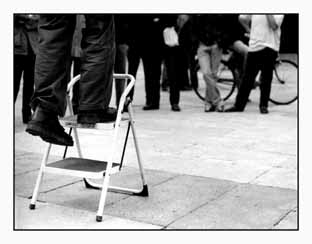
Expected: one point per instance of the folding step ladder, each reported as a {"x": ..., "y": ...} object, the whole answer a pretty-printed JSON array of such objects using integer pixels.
[{"x": 90, "y": 169}]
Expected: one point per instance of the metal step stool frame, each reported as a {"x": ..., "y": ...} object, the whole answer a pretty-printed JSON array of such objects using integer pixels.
[{"x": 125, "y": 102}]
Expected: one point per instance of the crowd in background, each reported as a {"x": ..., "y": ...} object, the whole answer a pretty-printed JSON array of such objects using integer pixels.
[{"x": 170, "y": 47}]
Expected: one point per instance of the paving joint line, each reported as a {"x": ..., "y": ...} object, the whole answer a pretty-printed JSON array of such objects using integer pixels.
[
  {"x": 59, "y": 187},
  {"x": 284, "y": 216},
  {"x": 128, "y": 196},
  {"x": 202, "y": 205},
  {"x": 258, "y": 176}
]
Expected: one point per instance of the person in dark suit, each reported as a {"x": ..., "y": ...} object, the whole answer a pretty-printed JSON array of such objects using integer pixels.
[
  {"x": 146, "y": 44},
  {"x": 176, "y": 56}
]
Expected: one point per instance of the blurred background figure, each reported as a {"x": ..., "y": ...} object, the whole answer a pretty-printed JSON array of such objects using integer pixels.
[
  {"x": 25, "y": 49},
  {"x": 208, "y": 30},
  {"x": 264, "y": 44},
  {"x": 146, "y": 44},
  {"x": 122, "y": 39},
  {"x": 176, "y": 57}
]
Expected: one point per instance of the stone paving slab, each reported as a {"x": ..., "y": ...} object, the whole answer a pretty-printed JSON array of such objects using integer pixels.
[
  {"x": 50, "y": 216},
  {"x": 245, "y": 207},
  {"x": 25, "y": 183},
  {"x": 28, "y": 161},
  {"x": 78, "y": 196},
  {"x": 276, "y": 177},
  {"x": 239, "y": 171},
  {"x": 170, "y": 200}
]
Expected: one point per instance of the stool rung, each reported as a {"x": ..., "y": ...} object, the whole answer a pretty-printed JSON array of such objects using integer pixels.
[{"x": 71, "y": 121}]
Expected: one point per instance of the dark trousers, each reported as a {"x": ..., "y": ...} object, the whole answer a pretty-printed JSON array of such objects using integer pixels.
[
  {"x": 52, "y": 69},
  {"x": 120, "y": 68},
  {"x": 24, "y": 65},
  {"x": 176, "y": 64},
  {"x": 263, "y": 61},
  {"x": 151, "y": 59},
  {"x": 193, "y": 67}
]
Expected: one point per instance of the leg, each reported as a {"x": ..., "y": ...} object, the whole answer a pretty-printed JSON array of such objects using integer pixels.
[
  {"x": 133, "y": 64},
  {"x": 98, "y": 55},
  {"x": 120, "y": 68},
  {"x": 207, "y": 67},
  {"x": 173, "y": 71},
  {"x": 193, "y": 69},
  {"x": 164, "y": 76},
  {"x": 52, "y": 71},
  {"x": 216, "y": 55},
  {"x": 267, "y": 65},
  {"x": 52, "y": 68},
  {"x": 28, "y": 86},
  {"x": 252, "y": 68},
  {"x": 182, "y": 63},
  {"x": 19, "y": 61},
  {"x": 241, "y": 49},
  {"x": 152, "y": 72}
]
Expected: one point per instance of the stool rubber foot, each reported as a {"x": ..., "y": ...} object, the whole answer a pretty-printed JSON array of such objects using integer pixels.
[
  {"x": 32, "y": 206},
  {"x": 143, "y": 193},
  {"x": 89, "y": 186},
  {"x": 99, "y": 218}
]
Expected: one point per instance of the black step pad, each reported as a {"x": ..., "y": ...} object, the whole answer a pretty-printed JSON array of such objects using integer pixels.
[{"x": 81, "y": 164}]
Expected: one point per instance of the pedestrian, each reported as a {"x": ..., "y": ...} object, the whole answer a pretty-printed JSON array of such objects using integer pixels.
[
  {"x": 146, "y": 44},
  {"x": 208, "y": 32},
  {"x": 264, "y": 43},
  {"x": 25, "y": 49},
  {"x": 52, "y": 71},
  {"x": 176, "y": 59}
]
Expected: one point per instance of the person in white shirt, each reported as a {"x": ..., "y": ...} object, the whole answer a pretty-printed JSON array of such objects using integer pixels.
[{"x": 264, "y": 43}]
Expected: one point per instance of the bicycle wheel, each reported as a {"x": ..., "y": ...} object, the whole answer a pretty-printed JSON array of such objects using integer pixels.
[
  {"x": 225, "y": 83},
  {"x": 284, "y": 88}
]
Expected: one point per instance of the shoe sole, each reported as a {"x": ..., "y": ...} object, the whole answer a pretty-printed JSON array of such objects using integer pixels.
[
  {"x": 87, "y": 122},
  {"x": 37, "y": 130}
]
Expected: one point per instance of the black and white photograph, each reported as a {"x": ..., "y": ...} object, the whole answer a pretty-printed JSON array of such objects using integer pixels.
[{"x": 162, "y": 121}]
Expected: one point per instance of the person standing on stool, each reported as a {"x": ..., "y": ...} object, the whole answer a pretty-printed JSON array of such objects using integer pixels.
[
  {"x": 264, "y": 43},
  {"x": 52, "y": 70}
]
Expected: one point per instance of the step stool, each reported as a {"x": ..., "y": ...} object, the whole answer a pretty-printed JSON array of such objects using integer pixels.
[{"x": 90, "y": 169}]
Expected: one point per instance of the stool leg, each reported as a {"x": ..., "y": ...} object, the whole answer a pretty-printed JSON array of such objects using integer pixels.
[
  {"x": 39, "y": 178},
  {"x": 138, "y": 153},
  {"x": 99, "y": 215},
  {"x": 77, "y": 142},
  {"x": 100, "y": 211}
]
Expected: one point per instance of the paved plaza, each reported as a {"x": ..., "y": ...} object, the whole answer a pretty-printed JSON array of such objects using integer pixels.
[{"x": 204, "y": 171}]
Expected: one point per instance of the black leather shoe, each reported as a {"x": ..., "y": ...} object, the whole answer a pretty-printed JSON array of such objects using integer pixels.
[
  {"x": 264, "y": 110},
  {"x": 46, "y": 125},
  {"x": 210, "y": 108},
  {"x": 175, "y": 107},
  {"x": 97, "y": 116},
  {"x": 232, "y": 109},
  {"x": 151, "y": 107}
]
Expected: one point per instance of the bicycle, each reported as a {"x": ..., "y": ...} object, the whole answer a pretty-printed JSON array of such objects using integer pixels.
[{"x": 284, "y": 83}]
